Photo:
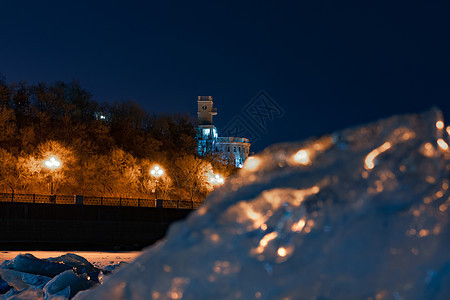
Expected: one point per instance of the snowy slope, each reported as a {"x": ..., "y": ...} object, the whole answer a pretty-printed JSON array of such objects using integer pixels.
[{"x": 359, "y": 214}]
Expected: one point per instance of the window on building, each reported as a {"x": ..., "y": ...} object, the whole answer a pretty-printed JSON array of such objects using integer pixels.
[
  {"x": 228, "y": 148},
  {"x": 234, "y": 149},
  {"x": 206, "y": 131}
]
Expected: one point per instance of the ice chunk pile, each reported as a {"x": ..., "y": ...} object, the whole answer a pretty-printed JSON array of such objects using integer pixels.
[
  {"x": 359, "y": 214},
  {"x": 27, "y": 277}
]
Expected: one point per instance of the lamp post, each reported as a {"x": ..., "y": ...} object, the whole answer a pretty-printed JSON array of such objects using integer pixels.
[
  {"x": 52, "y": 163},
  {"x": 156, "y": 172},
  {"x": 216, "y": 179}
]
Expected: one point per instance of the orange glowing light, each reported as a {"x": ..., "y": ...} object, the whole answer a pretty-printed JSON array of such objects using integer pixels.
[
  {"x": 252, "y": 163},
  {"x": 369, "y": 161},
  {"x": 298, "y": 226},
  {"x": 246, "y": 212},
  {"x": 427, "y": 150},
  {"x": 167, "y": 268},
  {"x": 310, "y": 223},
  {"x": 437, "y": 230},
  {"x": 440, "y": 125},
  {"x": 267, "y": 238},
  {"x": 424, "y": 232},
  {"x": 442, "y": 144},
  {"x": 430, "y": 179},
  {"x": 52, "y": 163},
  {"x": 302, "y": 157},
  {"x": 156, "y": 171},
  {"x": 428, "y": 146},
  {"x": 215, "y": 237},
  {"x": 282, "y": 252},
  {"x": 448, "y": 130},
  {"x": 427, "y": 200},
  {"x": 216, "y": 179}
]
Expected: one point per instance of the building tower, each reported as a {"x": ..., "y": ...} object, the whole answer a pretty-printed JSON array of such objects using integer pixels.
[
  {"x": 206, "y": 131},
  {"x": 205, "y": 110},
  {"x": 233, "y": 149}
]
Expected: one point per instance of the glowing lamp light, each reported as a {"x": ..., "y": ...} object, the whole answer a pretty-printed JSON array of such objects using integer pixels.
[
  {"x": 302, "y": 157},
  {"x": 252, "y": 163},
  {"x": 52, "y": 163},
  {"x": 216, "y": 179},
  {"x": 157, "y": 171},
  {"x": 440, "y": 125},
  {"x": 442, "y": 144},
  {"x": 369, "y": 161},
  {"x": 282, "y": 252}
]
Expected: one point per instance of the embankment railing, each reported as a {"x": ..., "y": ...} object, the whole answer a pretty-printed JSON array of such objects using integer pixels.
[{"x": 92, "y": 200}]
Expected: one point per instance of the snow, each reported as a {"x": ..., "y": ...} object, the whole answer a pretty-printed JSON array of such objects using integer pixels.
[
  {"x": 66, "y": 284},
  {"x": 21, "y": 281},
  {"x": 358, "y": 214},
  {"x": 29, "y": 264},
  {"x": 29, "y": 294},
  {"x": 60, "y": 276}
]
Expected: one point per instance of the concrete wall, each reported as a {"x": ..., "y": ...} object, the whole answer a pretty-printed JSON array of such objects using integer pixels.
[{"x": 28, "y": 226}]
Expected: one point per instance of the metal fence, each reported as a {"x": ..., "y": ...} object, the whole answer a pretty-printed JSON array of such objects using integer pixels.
[{"x": 91, "y": 200}]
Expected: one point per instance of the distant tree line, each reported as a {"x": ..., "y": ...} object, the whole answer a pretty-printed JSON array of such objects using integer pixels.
[{"x": 105, "y": 149}]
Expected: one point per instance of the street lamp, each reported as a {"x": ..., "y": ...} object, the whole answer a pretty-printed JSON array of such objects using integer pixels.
[
  {"x": 156, "y": 172},
  {"x": 216, "y": 179},
  {"x": 52, "y": 163}
]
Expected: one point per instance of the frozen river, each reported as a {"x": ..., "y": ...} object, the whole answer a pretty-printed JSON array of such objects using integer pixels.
[{"x": 98, "y": 259}]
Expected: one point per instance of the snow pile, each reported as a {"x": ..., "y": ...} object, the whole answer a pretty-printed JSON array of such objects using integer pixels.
[
  {"x": 27, "y": 277},
  {"x": 359, "y": 214},
  {"x": 67, "y": 284}
]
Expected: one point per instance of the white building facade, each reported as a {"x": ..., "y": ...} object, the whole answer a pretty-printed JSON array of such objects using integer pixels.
[{"x": 234, "y": 149}]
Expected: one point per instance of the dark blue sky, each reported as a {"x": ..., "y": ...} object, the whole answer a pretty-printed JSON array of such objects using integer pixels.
[{"x": 327, "y": 64}]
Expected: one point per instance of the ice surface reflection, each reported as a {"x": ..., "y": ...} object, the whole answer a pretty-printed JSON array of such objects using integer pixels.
[{"x": 358, "y": 214}]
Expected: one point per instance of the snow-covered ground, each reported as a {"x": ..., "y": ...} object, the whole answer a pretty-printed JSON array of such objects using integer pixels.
[
  {"x": 98, "y": 259},
  {"x": 56, "y": 275}
]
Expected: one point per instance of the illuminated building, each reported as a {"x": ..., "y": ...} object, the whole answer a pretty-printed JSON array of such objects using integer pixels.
[{"x": 233, "y": 149}]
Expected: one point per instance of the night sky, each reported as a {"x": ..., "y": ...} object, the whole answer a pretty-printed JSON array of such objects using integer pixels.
[{"x": 326, "y": 65}]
